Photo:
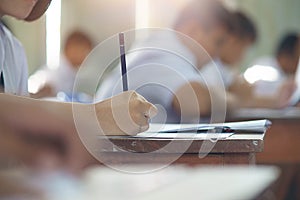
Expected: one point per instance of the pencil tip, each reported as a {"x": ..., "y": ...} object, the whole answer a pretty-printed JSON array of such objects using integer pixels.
[{"x": 121, "y": 38}]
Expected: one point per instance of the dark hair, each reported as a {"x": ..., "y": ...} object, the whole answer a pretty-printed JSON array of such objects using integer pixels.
[
  {"x": 78, "y": 37},
  {"x": 207, "y": 12},
  {"x": 288, "y": 44},
  {"x": 243, "y": 27}
]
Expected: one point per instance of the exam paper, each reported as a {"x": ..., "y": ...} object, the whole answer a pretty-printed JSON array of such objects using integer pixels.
[
  {"x": 199, "y": 136},
  {"x": 257, "y": 126}
]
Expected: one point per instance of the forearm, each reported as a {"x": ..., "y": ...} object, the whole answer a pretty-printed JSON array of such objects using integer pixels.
[
  {"x": 192, "y": 101},
  {"x": 35, "y": 115},
  {"x": 233, "y": 102},
  {"x": 50, "y": 117},
  {"x": 27, "y": 114},
  {"x": 262, "y": 102}
]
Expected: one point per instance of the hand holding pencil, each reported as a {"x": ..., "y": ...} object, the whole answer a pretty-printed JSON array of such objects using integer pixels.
[{"x": 127, "y": 113}]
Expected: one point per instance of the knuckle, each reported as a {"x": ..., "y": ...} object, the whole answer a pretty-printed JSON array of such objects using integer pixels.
[{"x": 133, "y": 94}]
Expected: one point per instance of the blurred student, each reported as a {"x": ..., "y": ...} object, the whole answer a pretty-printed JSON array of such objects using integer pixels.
[
  {"x": 22, "y": 116},
  {"x": 282, "y": 66},
  {"x": 61, "y": 79},
  {"x": 166, "y": 71},
  {"x": 242, "y": 36}
]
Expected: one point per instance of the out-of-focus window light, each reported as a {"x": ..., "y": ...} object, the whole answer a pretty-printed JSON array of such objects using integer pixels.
[
  {"x": 53, "y": 20},
  {"x": 141, "y": 13},
  {"x": 261, "y": 72}
]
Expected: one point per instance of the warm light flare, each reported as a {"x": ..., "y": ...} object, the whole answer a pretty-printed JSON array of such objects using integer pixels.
[
  {"x": 53, "y": 21},
  {"x": 141, "y": 13}
]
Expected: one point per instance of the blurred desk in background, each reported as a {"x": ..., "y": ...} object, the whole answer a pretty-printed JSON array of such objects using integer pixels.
[
  {"x": 289, "y": 113},
  {"x": 282, "y": 146},
  {"x": 282, "y": 143},
  {"x": 237, "y": 149}
]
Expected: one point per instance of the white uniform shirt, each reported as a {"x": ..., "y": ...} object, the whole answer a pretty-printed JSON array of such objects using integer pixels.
[
  {"x": 13, "y": 63},
  {"x": 62, "y": 79},
  {"x": 215, "y": 67},
  {"x": 156, "y": 69}
]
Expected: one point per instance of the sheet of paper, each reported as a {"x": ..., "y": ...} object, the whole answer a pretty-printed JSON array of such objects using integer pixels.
[
  {"x": 155, "y": 129},
  {"x": 199, "y": 136},
  {"x": 255, "y": 125}
]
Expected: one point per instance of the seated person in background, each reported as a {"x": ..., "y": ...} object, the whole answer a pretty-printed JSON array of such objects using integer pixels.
[
  {"x": 240, "y": 38},
  {"x": 279, "y": 69},
  {"x": 61, "y": 79},
  {"x": 166, "y": 71}
]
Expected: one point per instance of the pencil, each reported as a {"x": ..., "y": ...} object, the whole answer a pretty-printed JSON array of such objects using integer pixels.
[{"x": 123, "y": 62}]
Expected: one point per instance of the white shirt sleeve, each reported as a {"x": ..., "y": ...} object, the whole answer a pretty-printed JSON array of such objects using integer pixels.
[
  {"x": 15, "y": 68},
  {"x": 215, "y": 73},
  {"x": 23, "y": 76}
]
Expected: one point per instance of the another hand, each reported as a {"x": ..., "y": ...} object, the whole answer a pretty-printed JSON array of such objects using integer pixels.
[
  {"x": 242, "y": 89},
  {"x": 285, "y": 93}
]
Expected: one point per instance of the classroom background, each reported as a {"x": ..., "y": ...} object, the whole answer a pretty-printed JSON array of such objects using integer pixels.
[
  {"x": 44, "y": 42},
  {"x": 272, "y": 18}
]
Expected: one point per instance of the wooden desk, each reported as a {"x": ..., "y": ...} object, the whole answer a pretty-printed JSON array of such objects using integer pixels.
[
  {"x": 282, "y": 148},
  {"x": 239, "y": 149},
  {"x": 282, "y": 143}
]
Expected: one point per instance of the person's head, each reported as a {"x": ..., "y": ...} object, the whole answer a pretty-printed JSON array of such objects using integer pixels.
[
  {"x": 28, "y": 10},
  {"x": 288, "y": 52},
  {"x": 242, "y": 35},
  {"x": 207, "y": 22},
  {"x": 77, "y": 46}
]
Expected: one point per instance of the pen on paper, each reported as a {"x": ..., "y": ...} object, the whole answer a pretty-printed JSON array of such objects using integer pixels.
[{"x": 123, "y": 62}]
